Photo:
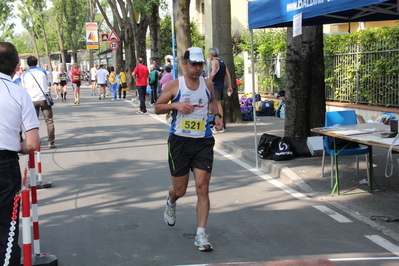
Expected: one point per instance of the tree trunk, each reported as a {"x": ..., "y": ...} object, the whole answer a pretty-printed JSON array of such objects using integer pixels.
[
  {"x": 221, "y": 38},
  {"x": 155, "y": 34},
  {"x": 181, "y": 14},
  {"x": 305, "y": 91},
  {"x": 61, "y": 43}
]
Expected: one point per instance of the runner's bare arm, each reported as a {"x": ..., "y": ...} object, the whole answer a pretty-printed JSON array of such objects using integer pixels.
[{"x": 213, "y": 105}]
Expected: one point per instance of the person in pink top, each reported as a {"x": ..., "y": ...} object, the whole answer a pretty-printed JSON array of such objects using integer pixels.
[
  {"x": 166, "y": 77},
  {"x": 140, "y": 75}
]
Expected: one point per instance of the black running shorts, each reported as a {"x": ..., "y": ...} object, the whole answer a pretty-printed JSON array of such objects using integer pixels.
[
  {"x": 78, "y": 83},
  {"x": 188, "y": 153},
  {"x": 218, "y": 94}
]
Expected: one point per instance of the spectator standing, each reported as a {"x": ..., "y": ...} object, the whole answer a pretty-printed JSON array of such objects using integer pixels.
[
  {"x": 154, "y": 84},
  {"x": 140, "y": 75},
  {"x": 102, "y": 76},
  {"x": 218, "y": 75},
  {"x": 166, "y": 77},
  {"x": 160, "y": 70},
  {"x": 49, "y": 77},
  {"x": 34, "y": 81},
  {"x": 76, "y": 78},
  {"x": 190, "y": 139},
  {"x": 21, "y": 70},
  {"x": 93, "y": 79},
  {"x": 123, "y": 84},
  {"x": 17, "y": 115},
  {"x": 168, "y": 62},
  {"x": 113, "y": 82}
]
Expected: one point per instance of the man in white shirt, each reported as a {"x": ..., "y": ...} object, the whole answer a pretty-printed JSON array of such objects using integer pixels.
[
  {"x": 35, "y": 81},
  {"x": 56, "y": 82},
  {"x": 93, "y": 79},
  {"x": 17, "y": 119},
  {"x": 102, "y": 77}
]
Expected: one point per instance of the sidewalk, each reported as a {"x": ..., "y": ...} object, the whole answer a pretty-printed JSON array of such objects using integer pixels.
[{"x": 304, "y": 175}]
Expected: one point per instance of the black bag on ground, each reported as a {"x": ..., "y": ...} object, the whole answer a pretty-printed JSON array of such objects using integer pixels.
[
  {"x": 300, "y": 147},
  {"x": 283, "y": 150},
  {"x": 266, "y": 142},
  {"x": 266, "y": 109}
]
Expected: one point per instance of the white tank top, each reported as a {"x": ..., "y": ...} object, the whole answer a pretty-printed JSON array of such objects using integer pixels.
[{"x": 195, "y": 124}]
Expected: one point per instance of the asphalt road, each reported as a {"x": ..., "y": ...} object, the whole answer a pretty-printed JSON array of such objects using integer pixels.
[{"x": 110, "y": 180}]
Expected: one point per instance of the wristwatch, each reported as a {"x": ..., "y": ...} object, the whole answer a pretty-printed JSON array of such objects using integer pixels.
[{"x": 217, "y": 114}]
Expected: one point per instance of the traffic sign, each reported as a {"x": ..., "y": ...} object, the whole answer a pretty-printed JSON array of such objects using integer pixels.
[
  {"x": 113, "y": 36},
  {"x": 113, "y": 45},
  {"x": 104, "y": 37}
]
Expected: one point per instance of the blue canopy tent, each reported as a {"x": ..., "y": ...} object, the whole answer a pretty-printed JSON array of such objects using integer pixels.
[
  {"x": 272, "y": 13},
  {"x": 280, "y": 13}
]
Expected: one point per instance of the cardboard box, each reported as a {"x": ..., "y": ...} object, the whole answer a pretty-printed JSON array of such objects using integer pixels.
[
  {"x": 380, "y": 118},
  {"x": 315, "y": 145}
]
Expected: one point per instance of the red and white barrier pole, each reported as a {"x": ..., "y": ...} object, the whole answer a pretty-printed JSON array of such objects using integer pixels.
[
  {"x": 39, "y": 165},
  {"x": 26, "y": 231},
  {"x": 37, "y": 258},
  {"x": 40, "y": 183},
  {"x": 35, "y": 212}
]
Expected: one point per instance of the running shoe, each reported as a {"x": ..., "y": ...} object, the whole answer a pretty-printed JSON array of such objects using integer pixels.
[
  {"x": 139, "y": 112},
  {"x": 76, "y": 101},
  {"x": 201, "y": 241},
  {"x": 170, "y": 214},
  {"x": 99, "y": 97}
]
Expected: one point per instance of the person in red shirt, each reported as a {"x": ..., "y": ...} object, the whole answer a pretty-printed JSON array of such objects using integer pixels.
[
  {"x": 140, "y": 75},
  {"x": 75, "y": 76}
]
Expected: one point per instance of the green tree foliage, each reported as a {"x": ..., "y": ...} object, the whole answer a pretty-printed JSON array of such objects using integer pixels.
[
  {"x": 75, "y": 16},
  {"x": 267, "y": 45},
  {"x": 166, "y": 36},
  {"x": 5, "y": 15},
  {"x": 355, "y": 74},
  {"x": 22, "y": 42},
  {"x": 196, "y": 39}
]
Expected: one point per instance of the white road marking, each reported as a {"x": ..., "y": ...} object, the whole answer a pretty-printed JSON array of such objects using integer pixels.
[
  {"x": 336, "y": 216},
  {"x": 365, "y": 259},
  {"x": 384, "y": 243},
  {"x": 264, "y": 176}
]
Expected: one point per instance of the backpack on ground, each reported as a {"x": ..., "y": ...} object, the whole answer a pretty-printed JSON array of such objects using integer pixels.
[
  {"x": 266, "y": 109},
  {"x": 247, "y": 115}
]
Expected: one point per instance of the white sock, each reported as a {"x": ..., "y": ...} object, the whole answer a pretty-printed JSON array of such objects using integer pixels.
[
  {"x": 200, "y": 230},
  {"x": 170, "y": 204}
]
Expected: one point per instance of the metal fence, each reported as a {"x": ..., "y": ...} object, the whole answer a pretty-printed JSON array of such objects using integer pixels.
[{"x": 360, "y": 75}]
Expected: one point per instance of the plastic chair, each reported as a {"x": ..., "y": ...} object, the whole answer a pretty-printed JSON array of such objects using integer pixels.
[{"x": 342, "y": 118}]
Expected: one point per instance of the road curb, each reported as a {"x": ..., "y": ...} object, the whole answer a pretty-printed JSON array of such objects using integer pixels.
[{"x": 267, "y": 166}]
